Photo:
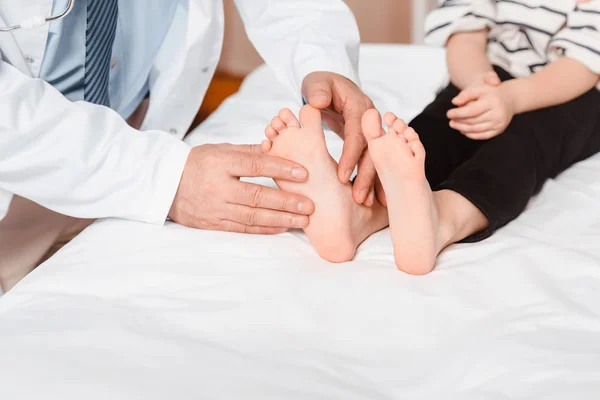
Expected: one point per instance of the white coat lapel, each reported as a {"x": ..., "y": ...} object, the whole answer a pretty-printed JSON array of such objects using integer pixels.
[{"x": 11, "y": 52}]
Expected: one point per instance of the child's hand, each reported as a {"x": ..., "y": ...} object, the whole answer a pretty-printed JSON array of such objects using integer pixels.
[
  {"x": 487, "y": 78},
  {"x": 483, "y": 111}
]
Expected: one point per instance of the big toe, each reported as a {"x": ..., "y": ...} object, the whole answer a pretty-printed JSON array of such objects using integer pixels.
[
  {"x": 371, "y": 125},
  {"x": 310, "y": 118}
]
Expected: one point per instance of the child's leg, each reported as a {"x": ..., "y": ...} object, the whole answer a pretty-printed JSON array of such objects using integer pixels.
[
  {"x": 446, "y": 149},
  {"x": 488, "y": 190},
  {"x": 509, "y": 169},
  {"x": 338, "y": 225},
  {"x": 422, "y": 222}
]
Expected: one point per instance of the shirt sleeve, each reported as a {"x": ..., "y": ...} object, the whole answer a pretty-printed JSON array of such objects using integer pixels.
[
  {"x": 455, "y": 16},
  {"x": 297, "y": 37},
  {"x": 82, "y": 159},
  {"x": 580, "y": 39}
]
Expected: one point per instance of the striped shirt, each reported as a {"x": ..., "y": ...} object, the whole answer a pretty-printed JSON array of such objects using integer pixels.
[{"x": 524, "y": 35}]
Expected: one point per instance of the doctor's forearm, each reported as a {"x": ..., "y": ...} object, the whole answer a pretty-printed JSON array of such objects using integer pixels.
[
  {"x": 467, "y": 58},
  {"x": 81, "y": 159}
]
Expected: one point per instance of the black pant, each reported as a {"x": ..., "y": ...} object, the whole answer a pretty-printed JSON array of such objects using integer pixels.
[{"x": 499, "y": 176}]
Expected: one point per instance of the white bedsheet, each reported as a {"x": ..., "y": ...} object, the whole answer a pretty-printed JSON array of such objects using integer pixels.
[{"x": 132, "y": 311}]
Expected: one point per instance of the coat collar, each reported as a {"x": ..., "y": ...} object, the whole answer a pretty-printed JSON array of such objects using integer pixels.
[{"x": 11, "y": 52}]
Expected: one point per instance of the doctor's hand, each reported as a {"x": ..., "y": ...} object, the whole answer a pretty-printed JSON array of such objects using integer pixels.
[
  {"x": 343, "y": 105},
  {"x": 211, "y": 195}
]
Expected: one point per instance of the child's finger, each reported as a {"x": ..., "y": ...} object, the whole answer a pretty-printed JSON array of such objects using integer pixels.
[
  {"x": 460, "y": 100},
  {"x": 471, "y": 129},
  {"x": 471, "y": 110},
  {"x": 482, "y": 136},
  {"x": 475, "y": 120},
  {"x": 467, "y": 95},
  {"x": 463, "y": 98}
]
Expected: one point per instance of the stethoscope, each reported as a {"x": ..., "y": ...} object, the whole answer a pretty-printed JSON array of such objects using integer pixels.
[{"x": 37, "y": 21}]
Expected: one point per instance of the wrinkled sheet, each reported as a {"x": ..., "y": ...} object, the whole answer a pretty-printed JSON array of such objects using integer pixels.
[{"x": 133, "y": 311}]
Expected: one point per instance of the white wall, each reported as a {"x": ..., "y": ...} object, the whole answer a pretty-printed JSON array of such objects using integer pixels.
[{"x": 380, "y": 21}]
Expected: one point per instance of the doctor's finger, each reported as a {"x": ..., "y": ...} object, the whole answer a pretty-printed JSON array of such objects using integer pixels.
[
  {"x": 260, "y": 217},
  {"x": 380, "y": 192},
  {"x": 355, "y": 144},
  {"x": 246, "y": 148},
  {"x": 246, "y": 164},
  {"x": 231, "y": 226},
  {"x": 365, "y": 180},
  {"x": 258, "y": 196},
  {"x": 317, "y": 89}
]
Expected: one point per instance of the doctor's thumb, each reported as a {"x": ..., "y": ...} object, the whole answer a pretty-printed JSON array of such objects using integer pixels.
[{"x": 317, "y": 90}]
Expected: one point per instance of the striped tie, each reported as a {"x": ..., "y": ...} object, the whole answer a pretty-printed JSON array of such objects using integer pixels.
[{"x": 100, "y": 34}]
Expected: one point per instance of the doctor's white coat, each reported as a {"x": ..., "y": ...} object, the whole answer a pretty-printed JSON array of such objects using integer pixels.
[{"x": 83, "y": 160}]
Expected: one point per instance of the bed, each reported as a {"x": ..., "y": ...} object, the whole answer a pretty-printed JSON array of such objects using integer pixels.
[{"x": 134, "y": 311}]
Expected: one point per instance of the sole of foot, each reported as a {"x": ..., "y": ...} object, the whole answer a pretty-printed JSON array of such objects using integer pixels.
[
  {"x": 338, "y": 225},
  {"x": 399, "y": 158}
]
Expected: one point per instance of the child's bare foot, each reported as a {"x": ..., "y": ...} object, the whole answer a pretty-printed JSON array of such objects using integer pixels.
[
  {"x": 399, "y": 158},
  {"x": 338, "y": 225}
]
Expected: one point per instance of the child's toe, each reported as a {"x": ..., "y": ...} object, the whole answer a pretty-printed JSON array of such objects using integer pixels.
[
  {"x": 389, "y": 118},
  {"x": 278, "y": 124},
  {"x": 288, "y": 117},
  {"x": 411, "y": 135},
  {"x": 266, "y": 146},
  {"x": 399, "y": 126},
  {"x": 371, "y": 125},
  {"x": 271, "y": 133},
  {"x": 417, "y": 148},
  {"x": 311, "y": 118}
]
